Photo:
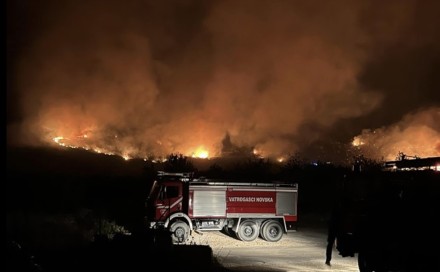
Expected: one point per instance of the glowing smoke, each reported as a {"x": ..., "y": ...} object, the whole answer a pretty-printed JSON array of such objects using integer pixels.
[
  {"x": 417, "y": 134},
  {"x": 144, "y": 78}
]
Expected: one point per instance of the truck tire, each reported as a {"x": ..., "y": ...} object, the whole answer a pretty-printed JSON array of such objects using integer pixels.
[
  {"x": 179, "y": 232},
  {"x": 227, "y": 230},
  {"x": 248, "y": 231},
  {"x": 272, "y": 231},
  {"x": 261, "y": 229}
]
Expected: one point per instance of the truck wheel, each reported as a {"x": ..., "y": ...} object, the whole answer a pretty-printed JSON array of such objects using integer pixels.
[
  {"x": 248, "y": 231},
  {"x": 272, "y": 231},
  {"x": 228, "y": 231},
  {"x": 261, "y": 229},
  {"x": 179, "y": 232}
]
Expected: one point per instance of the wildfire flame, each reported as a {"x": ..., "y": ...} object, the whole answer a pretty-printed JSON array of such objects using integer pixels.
[
  {"x": 357, "y": 141},
  {"x": 258, "y": 153},
  {"x": 201, "y": 153},
  {"x": 84, "y": 141},
  {"x": 381, "y": 144},
  {"x": 281, "y": 159},
  {"x": 67, "y": 142},
  {"x": 59, "y": 140}
]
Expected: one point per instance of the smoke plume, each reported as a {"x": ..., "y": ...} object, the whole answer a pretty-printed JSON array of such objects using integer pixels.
[
  {"x": 149, "y": 78},
  {"x": 416, "y": 135}
]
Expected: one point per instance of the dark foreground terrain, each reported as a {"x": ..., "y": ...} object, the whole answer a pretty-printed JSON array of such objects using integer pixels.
[
  {"x": 125, "y": 253},
  {"x": 75, "y": 211}
]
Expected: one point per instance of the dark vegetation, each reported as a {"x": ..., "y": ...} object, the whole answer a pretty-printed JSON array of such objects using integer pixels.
[{"x": 74, "y": 210}]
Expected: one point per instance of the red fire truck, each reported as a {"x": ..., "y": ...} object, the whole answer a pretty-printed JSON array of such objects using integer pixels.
[{"x": 181, "y": 204}]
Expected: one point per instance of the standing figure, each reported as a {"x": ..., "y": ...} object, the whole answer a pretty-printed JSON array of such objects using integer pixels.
[{"x": 333, "y": 229}]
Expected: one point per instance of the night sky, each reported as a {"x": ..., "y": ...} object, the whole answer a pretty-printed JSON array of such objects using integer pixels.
[{"x": 142, "y": 78}]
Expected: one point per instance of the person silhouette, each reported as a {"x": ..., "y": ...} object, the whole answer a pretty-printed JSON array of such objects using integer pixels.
[{"x": 333, "y": 229}]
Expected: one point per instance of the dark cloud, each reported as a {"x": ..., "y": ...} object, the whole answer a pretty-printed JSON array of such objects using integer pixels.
[{"x": 138, "y": 78}]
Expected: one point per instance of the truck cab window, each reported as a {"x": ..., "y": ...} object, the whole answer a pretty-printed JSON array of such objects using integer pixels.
[{"x": 172, "y": 191}]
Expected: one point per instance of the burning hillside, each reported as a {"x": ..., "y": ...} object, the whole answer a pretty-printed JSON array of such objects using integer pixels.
[{"x": 144, "y": 79}]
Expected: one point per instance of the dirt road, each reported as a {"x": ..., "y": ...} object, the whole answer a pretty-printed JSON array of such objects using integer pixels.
[{"x": 297, "y": 251}]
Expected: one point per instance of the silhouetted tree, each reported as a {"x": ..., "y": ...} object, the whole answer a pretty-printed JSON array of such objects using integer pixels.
[
  {"x": 364, "y": 164},
  {"x": 178, "y": 163}
]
